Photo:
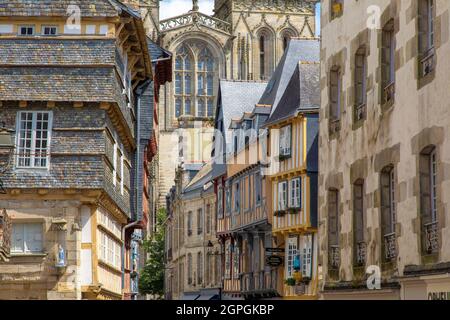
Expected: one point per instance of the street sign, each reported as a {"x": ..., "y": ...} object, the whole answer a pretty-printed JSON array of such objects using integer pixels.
[
  {"x": 274, "y": 261},
  {"x": 275, "y": 250}
]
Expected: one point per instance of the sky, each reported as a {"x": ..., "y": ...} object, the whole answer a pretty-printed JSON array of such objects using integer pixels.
[{"x": 171, "y": 8}]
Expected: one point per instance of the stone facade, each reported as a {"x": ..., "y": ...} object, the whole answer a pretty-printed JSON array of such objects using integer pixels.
[{"x": 384, "y": 157}]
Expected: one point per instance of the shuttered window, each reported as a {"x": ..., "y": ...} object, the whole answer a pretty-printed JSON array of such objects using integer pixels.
[
  {"x": 426, "y": 25},
  {"x": 333, "y": 217},
  {"x": 335, "y": 94},
  {"x": 388, "y": 208},
  {"x": 358, "y": 210},
  {"x": 388, "y": 61},
  {"x": 360, "y": 83},
  {"x": 27, "y": 238}
]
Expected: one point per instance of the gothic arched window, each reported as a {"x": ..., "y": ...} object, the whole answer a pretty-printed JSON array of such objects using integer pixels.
[
  {"x": 183, "y": 81},
  {"x": 265, "y": 48},
  {"x": 286, "y": 36},
  {"x": 205, "y": 83},
  {"x": 262, "y": 56},
  {"x": 194, "y": 81}
]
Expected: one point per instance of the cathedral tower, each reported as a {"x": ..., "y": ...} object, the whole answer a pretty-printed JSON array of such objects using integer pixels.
[{"x": 243, "y": 40}]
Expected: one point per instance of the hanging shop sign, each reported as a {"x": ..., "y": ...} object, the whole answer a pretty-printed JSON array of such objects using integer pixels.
[{"x": 274, "y": 261}]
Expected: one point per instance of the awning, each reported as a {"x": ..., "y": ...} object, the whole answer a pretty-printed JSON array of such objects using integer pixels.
[
  {"x": 190, "y": 296},
  {"x": 208, "y": 297}
]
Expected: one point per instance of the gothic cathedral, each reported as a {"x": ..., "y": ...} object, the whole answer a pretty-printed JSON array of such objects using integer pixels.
[{"x": 242, "y": 41}]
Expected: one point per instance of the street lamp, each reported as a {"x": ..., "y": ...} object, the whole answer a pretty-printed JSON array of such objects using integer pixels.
[{"x": 6, "y": 144}]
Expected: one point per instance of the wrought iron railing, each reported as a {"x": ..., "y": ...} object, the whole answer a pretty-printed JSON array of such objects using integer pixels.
[
  {"x": 360, "y": 112},
  {"x": 389, "y": 92},
  {"x": 427, "y": 62},
  {"x": 431, "y": 237},
  {"x": 390, "y": 247},
  {"x": 335, "y": 257},
  {"x": 335, "y": 126},
  {"x": 194, "y": 18},
  {"x": 361, "y": 253}
]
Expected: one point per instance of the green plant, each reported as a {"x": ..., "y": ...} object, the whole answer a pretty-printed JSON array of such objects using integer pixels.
[
  {"x": 290, "y": 282},
  {"x": 151, "y": 280},
  {"x": 279, "y": 213}
]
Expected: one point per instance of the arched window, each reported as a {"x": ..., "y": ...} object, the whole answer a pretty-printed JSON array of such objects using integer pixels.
[
  {"x": 262, "y": 56},
  {"x": 265, "y": 49},
  {"x": 205, "y": 83},
  {"x": 200, "y": 75},
  {"x": 286, "y": 36},
  {"x": 183, "y": 81}
]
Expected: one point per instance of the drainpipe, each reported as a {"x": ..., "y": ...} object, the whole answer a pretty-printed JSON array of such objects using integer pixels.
[{"x": 139, "y": 91}]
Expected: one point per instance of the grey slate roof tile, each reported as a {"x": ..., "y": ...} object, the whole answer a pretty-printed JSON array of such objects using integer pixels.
[
  {"x": 57, "y": 52},
  {"x": 52, "y": 8},
  {"x": 298, "y": 50},
  {"x": 301, "y": 94},
  {"x": 57, "y": 84}
]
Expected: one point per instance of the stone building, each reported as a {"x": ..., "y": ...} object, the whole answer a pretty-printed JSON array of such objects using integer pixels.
[
  {"x": 192, "y": 250},
  {"x": 384, "y": 149},
  {"x": 243, "y": 40},
  {"x": 69, "y": 91}
]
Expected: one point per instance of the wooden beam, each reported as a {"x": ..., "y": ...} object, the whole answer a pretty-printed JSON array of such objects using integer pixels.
[{"x": 23, "y": 104}]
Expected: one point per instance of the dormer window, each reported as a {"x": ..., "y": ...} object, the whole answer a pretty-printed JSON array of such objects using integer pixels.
[
  {"x": 26, "y": 30},
  {"x": 49, "y": 30}
]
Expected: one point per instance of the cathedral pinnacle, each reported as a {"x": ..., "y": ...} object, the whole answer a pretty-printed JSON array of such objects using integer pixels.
[{"x": 195, "y": 5}]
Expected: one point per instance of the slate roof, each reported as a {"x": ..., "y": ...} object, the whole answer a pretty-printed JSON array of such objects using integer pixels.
[
  {"x": 238, "y": 97},
  {"x": 200, "y": 179},
  {"x": 58, "y": 84},
  {"x": 57, "y": 51},
  {"x": 307, "y": 50},
  {"x": 302, "y": 93},
  {"x": 55, "y": 8}
]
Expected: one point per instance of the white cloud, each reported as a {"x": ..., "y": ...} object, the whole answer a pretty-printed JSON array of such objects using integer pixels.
[{"x": 171, "y": 8}]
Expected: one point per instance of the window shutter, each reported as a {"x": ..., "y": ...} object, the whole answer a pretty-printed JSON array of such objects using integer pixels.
[
  {"x": 299, "y": 192},
  {"x": 425, "y": 191},
  {"x": 358, "y": 212},
  {"x": 334, "y": 94},
  {"x": 332, "y": 217},
  {"x": 386, "y": 224}
]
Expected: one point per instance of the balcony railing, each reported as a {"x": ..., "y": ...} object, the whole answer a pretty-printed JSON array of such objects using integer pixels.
[
  {"x": 390, "y": 248},
  {"x": 335, "y": 257},
  {"x": 252, "y": 282},
  {"x": 194, "y": 18},
  {"x": 360, "y": 112},
  {"x": 361, "y": 253},
  {"x": 335, "y": 126},
  {"x": 431, "y": 237},
  {"x": 389, "y": 92},
  {"x": 427, "y": 62}
]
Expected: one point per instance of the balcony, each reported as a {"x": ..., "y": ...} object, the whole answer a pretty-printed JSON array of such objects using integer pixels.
[
  {"x": 431, "y": 238},
  {"x": 390, "y": 248},
  {"x": 259, "y": 284},
  {"x": 335, "y": 257},
  {"x": 427, "y": 62},
  {"x": 361, "y": 253},
  {"x": 334, "y": 126},
  {"x": 360, "y": 112}
]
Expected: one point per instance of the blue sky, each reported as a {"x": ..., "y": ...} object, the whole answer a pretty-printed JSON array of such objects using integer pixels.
[{"x": 170, "y": 8}]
